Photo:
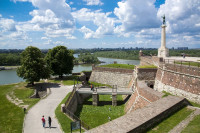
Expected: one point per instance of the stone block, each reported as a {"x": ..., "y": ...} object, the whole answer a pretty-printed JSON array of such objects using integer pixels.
[
  {"x": 95, "y": 99},
  {"x": 114, "y": 99}
]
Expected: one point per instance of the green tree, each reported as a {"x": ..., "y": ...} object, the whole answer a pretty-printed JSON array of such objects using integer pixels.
[
  {"x": 60, "y": 60},
  {"x": 33, "y": 66}
]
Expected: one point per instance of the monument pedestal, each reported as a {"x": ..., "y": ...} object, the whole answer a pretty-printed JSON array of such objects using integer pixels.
[{"x": 163, "y": 51}]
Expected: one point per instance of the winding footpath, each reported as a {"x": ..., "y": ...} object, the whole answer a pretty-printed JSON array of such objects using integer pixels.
[{"x": 46, "y": 107}]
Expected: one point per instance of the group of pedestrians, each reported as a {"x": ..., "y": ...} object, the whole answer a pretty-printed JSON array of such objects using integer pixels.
[{"x": 43, "y": 121}]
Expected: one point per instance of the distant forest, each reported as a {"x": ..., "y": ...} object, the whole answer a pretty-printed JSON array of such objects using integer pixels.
[{"x": 12, "y": 58}]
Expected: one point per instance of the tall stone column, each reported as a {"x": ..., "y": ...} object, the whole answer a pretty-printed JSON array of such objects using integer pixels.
[{"x": 163, "y": 51}]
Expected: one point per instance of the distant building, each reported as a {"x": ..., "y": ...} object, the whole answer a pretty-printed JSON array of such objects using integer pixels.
[{"x": 182, "y": 48}]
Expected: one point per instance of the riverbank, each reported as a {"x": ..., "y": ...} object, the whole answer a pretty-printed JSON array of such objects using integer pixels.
[{"x": 8, "y": 67}]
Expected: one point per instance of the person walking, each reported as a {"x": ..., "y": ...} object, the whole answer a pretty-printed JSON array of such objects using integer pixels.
[
  {"x": 49, "y": 119},
  {"x": 43, "y": 121}
]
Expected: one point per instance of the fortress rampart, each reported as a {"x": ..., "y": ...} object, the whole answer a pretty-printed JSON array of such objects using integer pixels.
[
  {"x": 111, "y": 76},
  {"x": 177, "y": 79}
]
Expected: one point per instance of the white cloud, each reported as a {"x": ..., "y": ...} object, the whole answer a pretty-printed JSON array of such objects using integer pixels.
[
  {"x": 7, "y": 25},
  {"x": 105, "y": 24},
  {"x": 136, "y": 15},
  {"x": 93, "y": 2},
  {"x": 182, "y": 16},
  {"x": 0, "y": 15},
  {"x": 18, "y": 36},
  {"x": 87, "y": 32},
  {"x": 44, "y": 38},
  {"x": 52, "y": 16}
]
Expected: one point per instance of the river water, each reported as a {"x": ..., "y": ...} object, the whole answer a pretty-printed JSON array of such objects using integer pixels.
[{"x": 10, "y": 76}]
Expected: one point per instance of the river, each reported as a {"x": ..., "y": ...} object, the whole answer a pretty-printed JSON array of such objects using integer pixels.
[{"x": 10, "y": 76}]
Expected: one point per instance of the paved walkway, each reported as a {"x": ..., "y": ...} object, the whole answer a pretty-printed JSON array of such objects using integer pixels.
[
  {"x": 179, "y": 128},
  {"x": 196, "y": 59},
  {"x": 46, "y": 107}
]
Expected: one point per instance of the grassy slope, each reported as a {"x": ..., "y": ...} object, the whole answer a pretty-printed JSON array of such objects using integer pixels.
[
  {"x": 12, "y": 116},
  {"x": 169, "y": 123},
  {"x": 98, "y": 115},
  {"x": 193, "y": 126},
  {"x": 125, "y": 66}
]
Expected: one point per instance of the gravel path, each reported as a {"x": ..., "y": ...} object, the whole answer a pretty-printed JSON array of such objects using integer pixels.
[
  {"x": 179, "y": 128},
  {"x": 46, "y": 107}
]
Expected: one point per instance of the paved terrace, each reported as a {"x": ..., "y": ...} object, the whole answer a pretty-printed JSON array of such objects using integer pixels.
[
  {"x": 105, "y": 91},
  {"x": 143, "y": 118},
  {"x": 195, "y": 59}
]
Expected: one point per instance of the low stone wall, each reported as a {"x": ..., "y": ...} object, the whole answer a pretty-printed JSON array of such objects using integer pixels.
[
  {"x": 191, "y": 70},
  {"x": 148, "y": 93},
  {"x": 75, "y": 100},
  {"x": 150, "y": 60},
  {"x": 142, "y": 96},
  {"x": 142, "y": 119},
  {"x": 182, "y": 82},
  {"x": 146, "y": 73},
  {"x": 111, "y": 76}
]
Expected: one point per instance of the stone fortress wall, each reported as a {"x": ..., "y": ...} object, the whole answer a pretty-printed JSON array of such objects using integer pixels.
[
  {"x": 111, "y": 76},
  {"x": 181, "y": 80}
]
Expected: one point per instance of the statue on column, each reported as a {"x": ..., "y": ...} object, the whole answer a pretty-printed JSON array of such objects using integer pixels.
[{"x": 163, "y": 19}]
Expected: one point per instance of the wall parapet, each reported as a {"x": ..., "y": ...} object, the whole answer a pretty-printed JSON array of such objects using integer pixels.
[
  {"x": 150, "y": 60},
  {"x": 142, "y": 96},
  {"x": 119, "y": 70},
  {"x": 112, "y": 76}
]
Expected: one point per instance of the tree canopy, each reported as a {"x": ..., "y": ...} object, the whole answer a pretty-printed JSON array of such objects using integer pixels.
[
  {"x": 88, "y": 58},
  {"x": 60, "y": 60},
  {"x": 33, "y": 66}
]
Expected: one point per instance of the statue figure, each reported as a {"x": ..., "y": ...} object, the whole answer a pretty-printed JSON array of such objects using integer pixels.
[{"x": 163, "y": 19}]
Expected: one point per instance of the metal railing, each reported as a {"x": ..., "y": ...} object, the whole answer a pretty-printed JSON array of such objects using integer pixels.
[{"x": 182, "y": 62}]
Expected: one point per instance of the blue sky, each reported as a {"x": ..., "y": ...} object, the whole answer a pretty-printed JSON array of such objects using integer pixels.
[{"x": 98, "y": 23}]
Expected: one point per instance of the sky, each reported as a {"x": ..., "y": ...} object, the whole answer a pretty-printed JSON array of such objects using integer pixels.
[{"x": 98, "y": 23}]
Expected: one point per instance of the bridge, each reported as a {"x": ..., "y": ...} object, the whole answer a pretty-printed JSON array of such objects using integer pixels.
[
  {"x": 96, "y": 91},
  {"x": 105, "y": 91}
]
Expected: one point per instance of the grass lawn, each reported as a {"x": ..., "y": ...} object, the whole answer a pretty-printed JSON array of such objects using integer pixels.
[
  {"x": 12, "y": 116},
  {"x": 124, "y": 66},
  {"x": 68, "y": 80},
  {"x": 169, "y": 123},
  {"x": 195, "y": 104},
  {"x": 98, "y": 115},
  {"x": 189, "y": 63},
  {"x": 193, "y": 126},
  {"x": 148, "y": 66},
  {"x": 99, "y": 84}
]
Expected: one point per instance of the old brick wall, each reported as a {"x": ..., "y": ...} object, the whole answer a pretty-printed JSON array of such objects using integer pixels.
[
  {"x": 142, "y": 96},
  {"x": 179, "y": 80},
  {"x": 112, "y": 76},
  {"x": 146, "y": 73},
  {"x": 150, "y": 60}
]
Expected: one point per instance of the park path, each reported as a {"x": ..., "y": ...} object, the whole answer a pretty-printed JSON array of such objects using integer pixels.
[{"x": 46, "y": 107}]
